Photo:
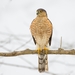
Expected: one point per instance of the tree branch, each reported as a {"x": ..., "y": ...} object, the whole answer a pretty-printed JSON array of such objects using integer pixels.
[{"x": 28, "y": 51}]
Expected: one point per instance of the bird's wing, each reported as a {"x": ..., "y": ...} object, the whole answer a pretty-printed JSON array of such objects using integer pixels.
[{"x": 34, "y": 39}]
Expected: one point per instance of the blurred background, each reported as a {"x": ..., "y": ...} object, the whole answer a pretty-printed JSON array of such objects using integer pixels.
[{"x": 15, "y": 19}]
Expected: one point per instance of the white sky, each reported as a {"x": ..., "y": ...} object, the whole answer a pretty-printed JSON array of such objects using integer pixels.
[{"x": 16, "y": 17}]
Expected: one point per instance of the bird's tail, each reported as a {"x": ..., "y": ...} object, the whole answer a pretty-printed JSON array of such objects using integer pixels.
[{"x": 42, "y": 61}]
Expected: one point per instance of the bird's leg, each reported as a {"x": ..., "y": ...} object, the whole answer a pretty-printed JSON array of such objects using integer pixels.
[
  {"x": 46, "y": 50},
  {"x": 38, "y": 50}
]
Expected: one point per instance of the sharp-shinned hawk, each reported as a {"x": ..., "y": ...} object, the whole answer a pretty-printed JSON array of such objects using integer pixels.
[{"x": 41, "y": 30}]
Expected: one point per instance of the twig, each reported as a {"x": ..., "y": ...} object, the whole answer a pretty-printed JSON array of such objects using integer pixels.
[
  {"x": 15, "y": 65},
  {"x": 61, "y": 42}
]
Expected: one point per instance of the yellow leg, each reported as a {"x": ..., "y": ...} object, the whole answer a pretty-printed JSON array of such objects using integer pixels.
[
  {"x": 38, "y": 50},
  {"x": 46, "y": 49}
]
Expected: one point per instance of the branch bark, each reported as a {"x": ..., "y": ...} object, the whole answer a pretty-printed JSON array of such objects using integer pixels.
[{"x": 28, "y": 51}]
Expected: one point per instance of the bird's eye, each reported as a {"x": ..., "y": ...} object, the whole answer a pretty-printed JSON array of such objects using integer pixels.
[{"x": 40, "y": 11}]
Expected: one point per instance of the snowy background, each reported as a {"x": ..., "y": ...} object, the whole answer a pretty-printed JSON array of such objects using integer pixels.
[{"x": 15, "y": 19}]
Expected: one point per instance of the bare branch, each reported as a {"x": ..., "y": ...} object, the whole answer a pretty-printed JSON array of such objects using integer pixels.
[
  {"x": 28, "y": 51},
  {"x": 61, "y": 62},
  {"x": 15, "y": 65}
]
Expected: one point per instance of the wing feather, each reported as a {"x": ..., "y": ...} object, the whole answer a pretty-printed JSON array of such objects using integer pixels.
[
  {"x": 51, "y": 34},
  {"x": 50, "y": 40},
  {"x": 34, "y": 39}
]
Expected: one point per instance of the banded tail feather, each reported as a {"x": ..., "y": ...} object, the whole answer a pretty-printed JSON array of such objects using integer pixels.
[{"x": 42, "y": 62}]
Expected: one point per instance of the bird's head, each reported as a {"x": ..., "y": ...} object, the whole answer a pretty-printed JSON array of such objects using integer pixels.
[{"x": 41, "y": 12}]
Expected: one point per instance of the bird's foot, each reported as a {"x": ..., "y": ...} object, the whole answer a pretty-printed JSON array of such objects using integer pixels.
[{"x": 46, "y": 50}]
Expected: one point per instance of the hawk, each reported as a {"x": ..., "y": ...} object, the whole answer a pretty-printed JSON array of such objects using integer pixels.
[{"x": 41, "y": 30}]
